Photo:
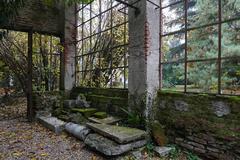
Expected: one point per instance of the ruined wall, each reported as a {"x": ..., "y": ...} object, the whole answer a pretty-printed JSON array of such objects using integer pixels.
[
  {"x": 109, "y": 100},
  {"x": 208, "y": 125},
  {"x": 39, "y": 17}
]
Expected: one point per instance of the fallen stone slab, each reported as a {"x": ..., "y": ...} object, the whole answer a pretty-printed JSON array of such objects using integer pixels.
[
  {"x": 52, "y": 123},
  {"x": 121, "y": 135},
  {"x": 162, "y": 151},
  {"x": 109, "y": 147},
  {"x": 78, "y": 131},
  {"x": 108, "y": 120}
]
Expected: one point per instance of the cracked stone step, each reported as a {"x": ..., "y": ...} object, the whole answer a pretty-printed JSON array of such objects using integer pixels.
[
  {"x": 108, "y": 120},
  {"x": 109, "y": 147},
  {"x": 119, "y": 134},
  {"x": 52, "y": 123}
]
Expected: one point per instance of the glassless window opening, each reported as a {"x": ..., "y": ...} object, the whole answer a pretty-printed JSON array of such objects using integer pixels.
[
  {"x": 102, "y": 44},
  {"x": 200, "y": 46}
]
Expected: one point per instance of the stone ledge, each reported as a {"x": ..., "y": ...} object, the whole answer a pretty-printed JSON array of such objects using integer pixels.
[{"x": 109, "y": 147}]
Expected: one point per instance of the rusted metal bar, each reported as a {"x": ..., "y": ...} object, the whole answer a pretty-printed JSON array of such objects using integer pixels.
[
  {"x": 30, "y": 115},
  {"x": 219, "y": 45},
  {"x": 186, "y": 45},
  {"x": 62, "y": 64},
  {"x": 160, "y": 47}
]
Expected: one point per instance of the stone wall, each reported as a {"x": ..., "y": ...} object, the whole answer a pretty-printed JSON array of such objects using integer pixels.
[
  {"x": 205, "y": 124},
  {"x": 41, "y": 18},
  {"x": 109, "y": 100}
]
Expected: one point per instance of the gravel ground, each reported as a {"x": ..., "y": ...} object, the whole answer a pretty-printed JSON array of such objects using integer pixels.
[{"x": 21, "y": 140}]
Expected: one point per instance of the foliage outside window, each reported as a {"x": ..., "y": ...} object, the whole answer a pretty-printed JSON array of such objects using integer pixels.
[
  {"x": 200, "y": 46},
  {"x": 13, "y": 61},
  {"x": 102, "y": 41}
]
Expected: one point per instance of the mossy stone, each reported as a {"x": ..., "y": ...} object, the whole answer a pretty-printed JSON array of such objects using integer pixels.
[
  {"x": 158, "y": 133},
  {"x": 64, "y": 117},
  {"x": 87, "y": 112},
  {"x": 100, "y": 115}
]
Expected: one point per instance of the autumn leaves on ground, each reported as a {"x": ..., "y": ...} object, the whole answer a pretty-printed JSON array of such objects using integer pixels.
[{"x": 22, "y": 140}]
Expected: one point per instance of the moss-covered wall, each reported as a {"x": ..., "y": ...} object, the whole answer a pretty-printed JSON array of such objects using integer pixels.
[
  {"x": 208, "y": 125},
  {"x": 109, "y": 100}
]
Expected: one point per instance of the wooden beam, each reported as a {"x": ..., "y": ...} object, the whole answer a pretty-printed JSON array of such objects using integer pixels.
[{"x": 30, "y": 72}]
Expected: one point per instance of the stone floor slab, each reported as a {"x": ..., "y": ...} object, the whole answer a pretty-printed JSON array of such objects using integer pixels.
[
  {"x": 121, "y": 135},
  {"x": 108, "y": 120}
]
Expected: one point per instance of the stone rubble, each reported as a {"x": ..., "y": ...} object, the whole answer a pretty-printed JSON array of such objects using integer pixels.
[{"x": 162, "y": 151}]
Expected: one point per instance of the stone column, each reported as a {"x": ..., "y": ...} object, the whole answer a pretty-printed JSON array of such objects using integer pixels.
[
  {"x": 69, "y": 47},
  {"x": 143, "y": 56}
]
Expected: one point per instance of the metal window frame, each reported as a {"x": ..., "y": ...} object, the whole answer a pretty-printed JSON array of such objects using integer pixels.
[
  {"x": 80, "y": 56},
  {"x": 185, "y": 31}
]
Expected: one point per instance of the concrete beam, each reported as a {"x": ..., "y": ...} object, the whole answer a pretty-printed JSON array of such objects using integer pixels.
[
  {"x": 69, "y": 47},
  {"x": 39, "y": 18}
]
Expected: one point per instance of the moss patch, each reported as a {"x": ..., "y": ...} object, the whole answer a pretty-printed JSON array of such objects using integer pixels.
[
  {"x": 200, "y": 117},
  {"x": 158, "y": 133},
  {"x": 87, "y": 112},
  {"x": 100, "y": 115}
]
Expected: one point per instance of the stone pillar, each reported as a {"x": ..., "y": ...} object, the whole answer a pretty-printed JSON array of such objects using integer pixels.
[
  {"x": 143, "y": 56},
  {"x": 69, "y": 47}
]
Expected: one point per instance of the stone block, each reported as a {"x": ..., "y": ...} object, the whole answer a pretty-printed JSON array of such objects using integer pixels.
[
  {"x": 199, "y": 150},
  {"x": 187, "y": 146},
  {"x": 78, "y": 131},
  {"x": 221, "y": 108},
  {"x": 196, "y": 145},
  {"x": 137, "y": 154},
  {"x": 213, "y": 149},
  {"x": 52, "y": 123},
  {"x": 162, "y": 151},
  {"x": 100, "y": 115},
  {"x": 181, "y": 105},
  {"x": 87, "y": 112},
  {"x": 69, "y": 103},
  {"x": 109, "y": 147},
  {"x": 82, "y": 103},
  {"x": 77, "y": 118}
]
